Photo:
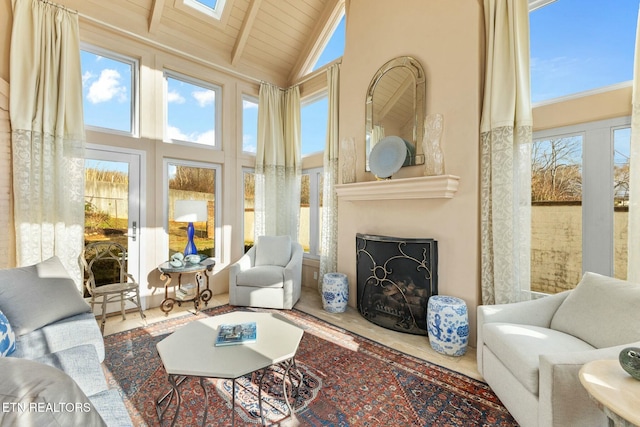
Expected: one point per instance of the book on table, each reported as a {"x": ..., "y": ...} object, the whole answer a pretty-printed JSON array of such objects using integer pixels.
[{"x": 236, "y": 333}]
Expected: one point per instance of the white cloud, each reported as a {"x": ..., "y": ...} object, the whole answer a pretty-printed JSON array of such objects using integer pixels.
[
  {"x": 174, "y": 96},
  {"x": 249, "y": 144},
  {"x": 205, "y": 138},
  {"x": 175, "y": 133},
  {"x": 88, "y": 75},
  {"x": 204, "y": 97},
  {"x": 107, "y": 87}
]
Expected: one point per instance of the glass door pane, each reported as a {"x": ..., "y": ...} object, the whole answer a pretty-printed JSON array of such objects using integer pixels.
[
  {"x": 556, "y": 214},
  {"x": 622, "y": 147},
  {"x": 112, "y": 207}
]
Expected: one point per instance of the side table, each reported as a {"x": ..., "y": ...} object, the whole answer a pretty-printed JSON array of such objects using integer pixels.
[
  {"x": 448, "y": 325},
  {"x": 201, "y": 272},
  {"x": 614, "y": 391}
]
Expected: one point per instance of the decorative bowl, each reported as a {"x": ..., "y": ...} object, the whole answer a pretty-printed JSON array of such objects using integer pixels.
[
  {"x": 193, "y": 259},
  {"x": 630, "y": 361}
]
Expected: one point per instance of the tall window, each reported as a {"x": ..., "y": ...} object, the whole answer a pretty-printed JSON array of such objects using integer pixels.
[
  {"x": 313, "y": 123},
  {"x": 580, "y": 184},
  {"x": 334, "y": 48},
  {"x": 591, "y": 49},
  {"x": 109, "y": 90},
  {"x": 311, "y": 211},
  {"x": 192, "y": 185},
  {"x": 249, "y": 123},
  {"x": 192, "y": 115}
]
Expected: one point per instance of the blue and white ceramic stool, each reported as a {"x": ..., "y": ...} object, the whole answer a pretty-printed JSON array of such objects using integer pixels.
[
  {"x": 448, "y": 325},
  {"x": 335, "y": 292}
]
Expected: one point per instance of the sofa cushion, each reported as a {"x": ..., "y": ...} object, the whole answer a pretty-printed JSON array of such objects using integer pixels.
[
  {"x": 39, "y": 294},
  {"x": 266, "y": 276},
  {"x": 39, "y": 395},
  {"x": 273, "y": 250},
  {"x": 602, "y": 311},
  {"x": 66, "y": 333},
  {"x": 519, "y": 346},
  {"x": 81, "y": 364},
  {"x": 111, "y": 407},
  {"x": 7, "y": 336}
]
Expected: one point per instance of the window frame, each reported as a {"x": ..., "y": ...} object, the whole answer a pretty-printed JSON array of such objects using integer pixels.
[
  {"x": 217, "y": 16},
  {"x": 598, "y": 249},
  {"x": 217, "y": 167},
  {"x": 135, "y": 89},
  {"x": 166, "y": 73}
]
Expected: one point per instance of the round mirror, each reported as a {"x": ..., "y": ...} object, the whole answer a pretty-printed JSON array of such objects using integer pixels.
[{"x": 395, "y": 106}]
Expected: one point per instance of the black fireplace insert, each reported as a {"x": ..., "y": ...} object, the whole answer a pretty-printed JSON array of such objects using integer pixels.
[{"x": 395, "y": 278}]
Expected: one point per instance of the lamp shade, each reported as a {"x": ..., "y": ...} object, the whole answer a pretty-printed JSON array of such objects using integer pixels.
[{"x": 190, "y": 211}]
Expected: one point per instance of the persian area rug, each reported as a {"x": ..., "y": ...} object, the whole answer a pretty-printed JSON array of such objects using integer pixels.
[{"x": 348, "y": 381}]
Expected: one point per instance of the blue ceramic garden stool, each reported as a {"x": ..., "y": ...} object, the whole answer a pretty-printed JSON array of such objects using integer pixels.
[
  {"x": 335, "y": 292},
  {"x": 448, "y": 325}
]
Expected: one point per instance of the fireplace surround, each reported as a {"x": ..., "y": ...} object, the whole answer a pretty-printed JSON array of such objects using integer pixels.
[{"x": 395, "y": 278}]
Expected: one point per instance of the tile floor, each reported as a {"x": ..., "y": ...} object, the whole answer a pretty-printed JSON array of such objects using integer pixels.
[{"x": 310, "y": 302}]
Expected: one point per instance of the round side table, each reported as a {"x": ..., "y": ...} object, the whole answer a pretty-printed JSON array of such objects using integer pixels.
[
  {"x": 448, "y": 325},
  {"x": 335, "y": 292}
]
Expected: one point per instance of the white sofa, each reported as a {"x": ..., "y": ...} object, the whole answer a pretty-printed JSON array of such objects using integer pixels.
[
  {"x": 530, "y": 352},
  {"x": 269, "y": 275}
]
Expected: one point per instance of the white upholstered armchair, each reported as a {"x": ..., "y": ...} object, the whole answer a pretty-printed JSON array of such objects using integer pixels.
[{"x": 269, "y": 275}]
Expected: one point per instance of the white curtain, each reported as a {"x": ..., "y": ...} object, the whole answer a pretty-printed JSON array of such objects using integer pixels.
[
  {"x": 329, "y": 232},
  {"x": 633, "y": 255},
  {"x": 278, "y": 171},
  {"x": 505, "y": 135},
  {"x": 47, "y": 134}
]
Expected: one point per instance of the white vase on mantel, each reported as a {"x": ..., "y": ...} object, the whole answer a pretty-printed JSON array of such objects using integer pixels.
[{"x": 433, "y": 156}]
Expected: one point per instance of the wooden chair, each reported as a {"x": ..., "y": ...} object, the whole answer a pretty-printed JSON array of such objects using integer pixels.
[{"x": 105, "y": 272}]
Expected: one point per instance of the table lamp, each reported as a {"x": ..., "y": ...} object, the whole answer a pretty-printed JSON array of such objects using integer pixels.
[{"x": 190, "y": 211}]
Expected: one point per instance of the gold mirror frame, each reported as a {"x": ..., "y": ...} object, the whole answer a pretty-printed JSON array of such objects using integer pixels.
[{"x": 389, "y": 96}]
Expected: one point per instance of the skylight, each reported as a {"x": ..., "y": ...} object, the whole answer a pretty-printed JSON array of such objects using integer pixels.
[{"x": 212, "y": 8}]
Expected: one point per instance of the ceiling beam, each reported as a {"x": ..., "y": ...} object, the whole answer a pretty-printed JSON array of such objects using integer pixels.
[
  {"x": 245, "y": 30},
  {"x": 326, "y": 25},
  {"x": 156, "y": 14}
]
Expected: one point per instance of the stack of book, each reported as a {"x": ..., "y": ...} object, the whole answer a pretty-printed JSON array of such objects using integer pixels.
[{"x": 185, "y": 292}]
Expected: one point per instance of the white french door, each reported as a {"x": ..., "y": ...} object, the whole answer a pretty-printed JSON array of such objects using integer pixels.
[{"x": 112, "y": 203}]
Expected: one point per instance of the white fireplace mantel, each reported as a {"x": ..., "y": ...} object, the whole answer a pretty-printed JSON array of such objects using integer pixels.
[{"x": 424, "y": 187}]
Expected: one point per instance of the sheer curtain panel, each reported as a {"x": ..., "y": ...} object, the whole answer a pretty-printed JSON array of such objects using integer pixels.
[
  {"x": 633, "y": 260},
  {"x": 278, "y": 170},
  {"x": 329, "y": 232},
  {"x": 47, "y": 134},
  {"x": 505, "y": 135}
]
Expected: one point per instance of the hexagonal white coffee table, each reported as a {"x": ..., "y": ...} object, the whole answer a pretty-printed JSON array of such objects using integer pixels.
[{"x": 190, "y": 352}]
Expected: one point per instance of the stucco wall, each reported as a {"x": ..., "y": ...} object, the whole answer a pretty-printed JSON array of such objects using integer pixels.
[{"x": 446, "y": 41}]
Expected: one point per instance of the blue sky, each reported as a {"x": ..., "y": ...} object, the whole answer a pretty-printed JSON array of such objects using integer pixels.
[{"x": 576, "y": 45}]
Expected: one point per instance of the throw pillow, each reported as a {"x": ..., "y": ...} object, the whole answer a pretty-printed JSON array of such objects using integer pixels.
[
  {"x": 7, "y": 336},
  {"x": 34, "y": 394},
  {"x": 601, "y": 310},
  {"x": 34, "y": 296},
  {"x": 273, "y": 250}
]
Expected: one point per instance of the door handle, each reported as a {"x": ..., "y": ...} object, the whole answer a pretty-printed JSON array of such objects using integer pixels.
[{"x": 134, "y": 231}]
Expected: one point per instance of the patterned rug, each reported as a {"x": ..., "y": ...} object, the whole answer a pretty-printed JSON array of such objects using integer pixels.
[{"x": 348, "y": 381}]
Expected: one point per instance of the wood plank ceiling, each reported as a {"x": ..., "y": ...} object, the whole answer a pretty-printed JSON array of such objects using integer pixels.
[{"x": 271, "y": 40}]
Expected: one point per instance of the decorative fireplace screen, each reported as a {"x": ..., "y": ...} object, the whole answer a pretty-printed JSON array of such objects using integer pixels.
[{"x": 396, "y": 277}]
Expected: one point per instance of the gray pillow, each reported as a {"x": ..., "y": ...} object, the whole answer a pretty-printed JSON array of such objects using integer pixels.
[
  {"x": 35, "y": 394},
  {"x": 34, "y": 296},
  {"x": 602, "y": 311},
  {"x": 272, "y": 250}
]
